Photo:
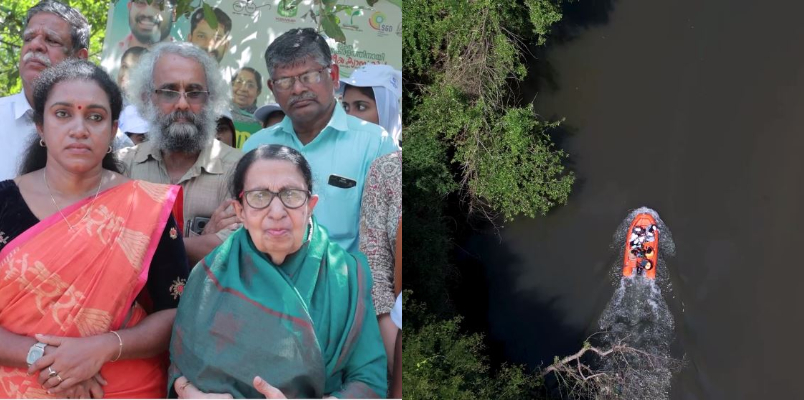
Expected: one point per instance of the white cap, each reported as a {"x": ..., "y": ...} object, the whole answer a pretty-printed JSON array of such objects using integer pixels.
[
  {"x": 396, "y": 312},
  {"x": 386, "y": 82},
  {"x": 131, "y": 122},
  {"x": 373, "y": 75},
  {"x": 226, "y": 113},
  {"x": 263, "y": 112}
]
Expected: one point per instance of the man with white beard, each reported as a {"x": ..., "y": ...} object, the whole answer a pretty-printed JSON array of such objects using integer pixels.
[
  {"x": 177, "y": 88},
  {"x": 53, "y": 33}
]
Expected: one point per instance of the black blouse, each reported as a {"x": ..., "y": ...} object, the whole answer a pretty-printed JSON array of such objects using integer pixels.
[{"x": 169, "y": 267}]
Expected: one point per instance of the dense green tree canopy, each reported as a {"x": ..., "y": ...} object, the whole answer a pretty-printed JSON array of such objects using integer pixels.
[
  {"x": 468, "y": 140},
  {"x": 467, "y": 134}
]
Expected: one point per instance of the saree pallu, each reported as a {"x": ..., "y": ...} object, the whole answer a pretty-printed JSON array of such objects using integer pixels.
[
  {"x": 307, "y": 326},
  {"x": 83, "y": 282}
]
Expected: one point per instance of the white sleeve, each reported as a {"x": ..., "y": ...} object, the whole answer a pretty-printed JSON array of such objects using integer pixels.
[{"x": 396, "y": 312}]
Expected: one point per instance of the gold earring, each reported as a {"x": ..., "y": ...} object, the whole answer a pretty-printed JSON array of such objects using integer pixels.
[
  {"x": 110, "y": 150},
  {"x": 42, "y": 142}
]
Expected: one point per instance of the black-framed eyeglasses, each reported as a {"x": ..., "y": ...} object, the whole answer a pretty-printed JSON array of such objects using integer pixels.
[
  {"x": 307, "y": 78},
  {"x": 261, "y": 198},
  {"x": 168, "y": 96}
]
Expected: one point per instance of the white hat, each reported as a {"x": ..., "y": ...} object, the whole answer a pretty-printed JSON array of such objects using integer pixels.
[
  {"x": 226, "y": 113},
  {"x": 131, "y": 122},
  {"x": 263, "y": 112},
  {"x": 373, "y": 75},
  {"x": 386, "y": 82}
]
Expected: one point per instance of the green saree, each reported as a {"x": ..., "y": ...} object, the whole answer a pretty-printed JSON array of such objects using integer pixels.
[{"x": 307, "y": 326}]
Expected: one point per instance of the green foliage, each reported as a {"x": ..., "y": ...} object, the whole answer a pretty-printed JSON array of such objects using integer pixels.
[
  {"x": 209, "y": 16},
  {"x": 427, "y": 180},
  {"x": 543, "y": 14},
  {"x": 465, "y": 58},
  {"x": 12, "y": 25},
  {"x": 440, "y": 362},
  {"x": 468, "y": 139}
]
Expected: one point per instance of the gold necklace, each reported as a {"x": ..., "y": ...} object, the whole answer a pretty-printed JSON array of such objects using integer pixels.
[{"x": 44, "y": 177}]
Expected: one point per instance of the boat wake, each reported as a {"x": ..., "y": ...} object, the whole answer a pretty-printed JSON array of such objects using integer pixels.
[{"x": 638, "y": 317}]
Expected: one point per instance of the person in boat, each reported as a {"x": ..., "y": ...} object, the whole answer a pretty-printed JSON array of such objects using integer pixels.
[
  {"x": 650, "y": 233},
  {"x": 648, "y": 251},
  {"x": 645, "y": 264},
  {"x": 279, "y": 307}
]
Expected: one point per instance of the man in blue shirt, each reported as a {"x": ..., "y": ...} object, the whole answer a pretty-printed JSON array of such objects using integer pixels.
[{"x": 339, "y": 147}]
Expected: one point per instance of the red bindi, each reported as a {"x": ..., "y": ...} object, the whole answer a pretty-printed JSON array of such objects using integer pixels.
[{"x": 80, "y": 107}]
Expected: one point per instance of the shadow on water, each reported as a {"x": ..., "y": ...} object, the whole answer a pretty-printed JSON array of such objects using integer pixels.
[
  {"x": 488, "y": 301},
  {"x": 577, "y": 18}
]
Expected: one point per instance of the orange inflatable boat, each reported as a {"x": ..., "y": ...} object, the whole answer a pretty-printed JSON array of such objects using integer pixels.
[{"x": 634, "y": 262}]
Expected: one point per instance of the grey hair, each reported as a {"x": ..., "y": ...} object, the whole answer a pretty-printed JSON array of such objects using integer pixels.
[
  {"x": 294, "y": 47},
  {"x": 141, "y": 81},
  {"x": 79, "y": 26}
]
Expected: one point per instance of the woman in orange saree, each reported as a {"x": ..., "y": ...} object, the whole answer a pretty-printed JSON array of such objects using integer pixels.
[{"x": 83, "y": 252}]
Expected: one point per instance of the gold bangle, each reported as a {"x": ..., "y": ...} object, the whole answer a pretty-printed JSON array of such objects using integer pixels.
[{"x": 120, "y": 352}]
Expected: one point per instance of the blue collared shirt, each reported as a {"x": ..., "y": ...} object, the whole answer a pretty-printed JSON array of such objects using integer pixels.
[{"x": 345, "y": 147}]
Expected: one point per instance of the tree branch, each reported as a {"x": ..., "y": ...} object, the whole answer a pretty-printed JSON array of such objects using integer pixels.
[{"x": 14, "y": 45}]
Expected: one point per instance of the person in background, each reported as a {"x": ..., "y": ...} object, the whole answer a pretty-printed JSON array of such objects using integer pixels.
[
  {"x": 133, "y": 126},
  {"x": 225, "y": 131},
  {"x": 178, "y": 88},
  {"x": 246, "y": 87},
  {"x": 213, "y": 41},
  {"x": 150, "y": 22},
  {"x": 128, "y": 61},
  {"x": 93, "y": 264},
  {"x": 373, "y": 93},
  {"x": 380, "y": 218},
  {"x": 278, "y": 309},
  {"x": 269, "y": 115},
  {"x": 339, "y": 147}
]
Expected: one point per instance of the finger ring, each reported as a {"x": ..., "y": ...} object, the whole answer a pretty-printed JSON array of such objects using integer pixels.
[
  {"x": 59, "y": 378},
  {"x": 52, "y": 372}
]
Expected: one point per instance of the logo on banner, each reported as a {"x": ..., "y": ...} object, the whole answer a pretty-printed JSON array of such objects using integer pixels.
[
  {"x": 378, "y": 22},
  {"x": 351, "y": 25},
  {"x": 247, "y": 7},
  {"x": 286, "y": 12}
]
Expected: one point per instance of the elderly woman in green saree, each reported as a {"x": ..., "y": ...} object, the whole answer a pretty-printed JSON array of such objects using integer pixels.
[{"x": 277, "y": 310}]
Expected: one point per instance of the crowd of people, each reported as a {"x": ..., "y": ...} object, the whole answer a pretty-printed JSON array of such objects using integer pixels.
[{"x": 143, "y": 255}]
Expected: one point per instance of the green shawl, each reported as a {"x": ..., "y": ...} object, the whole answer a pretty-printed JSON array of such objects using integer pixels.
[{"x": 307, "y": 326}]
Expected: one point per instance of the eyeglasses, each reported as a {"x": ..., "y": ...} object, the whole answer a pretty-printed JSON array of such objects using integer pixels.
[
  {"x": 307, "y": 78},
  {"x": 168, "y": 96},
  {"x": 261, "y": 198},
  {"x": 249, "y": 84}
]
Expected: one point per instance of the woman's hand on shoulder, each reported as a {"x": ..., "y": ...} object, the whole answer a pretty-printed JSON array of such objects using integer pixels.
[{"x": 73, "y": 360}]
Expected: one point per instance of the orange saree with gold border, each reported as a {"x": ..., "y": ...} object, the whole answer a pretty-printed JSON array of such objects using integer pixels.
[{"x": 84, "y": 282}]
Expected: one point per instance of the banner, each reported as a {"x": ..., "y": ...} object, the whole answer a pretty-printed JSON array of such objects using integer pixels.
[{"x": 244, "y": 30}]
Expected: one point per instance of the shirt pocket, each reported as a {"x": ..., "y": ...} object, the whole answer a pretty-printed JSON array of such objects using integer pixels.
[{"x": 339, "y": 210}]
